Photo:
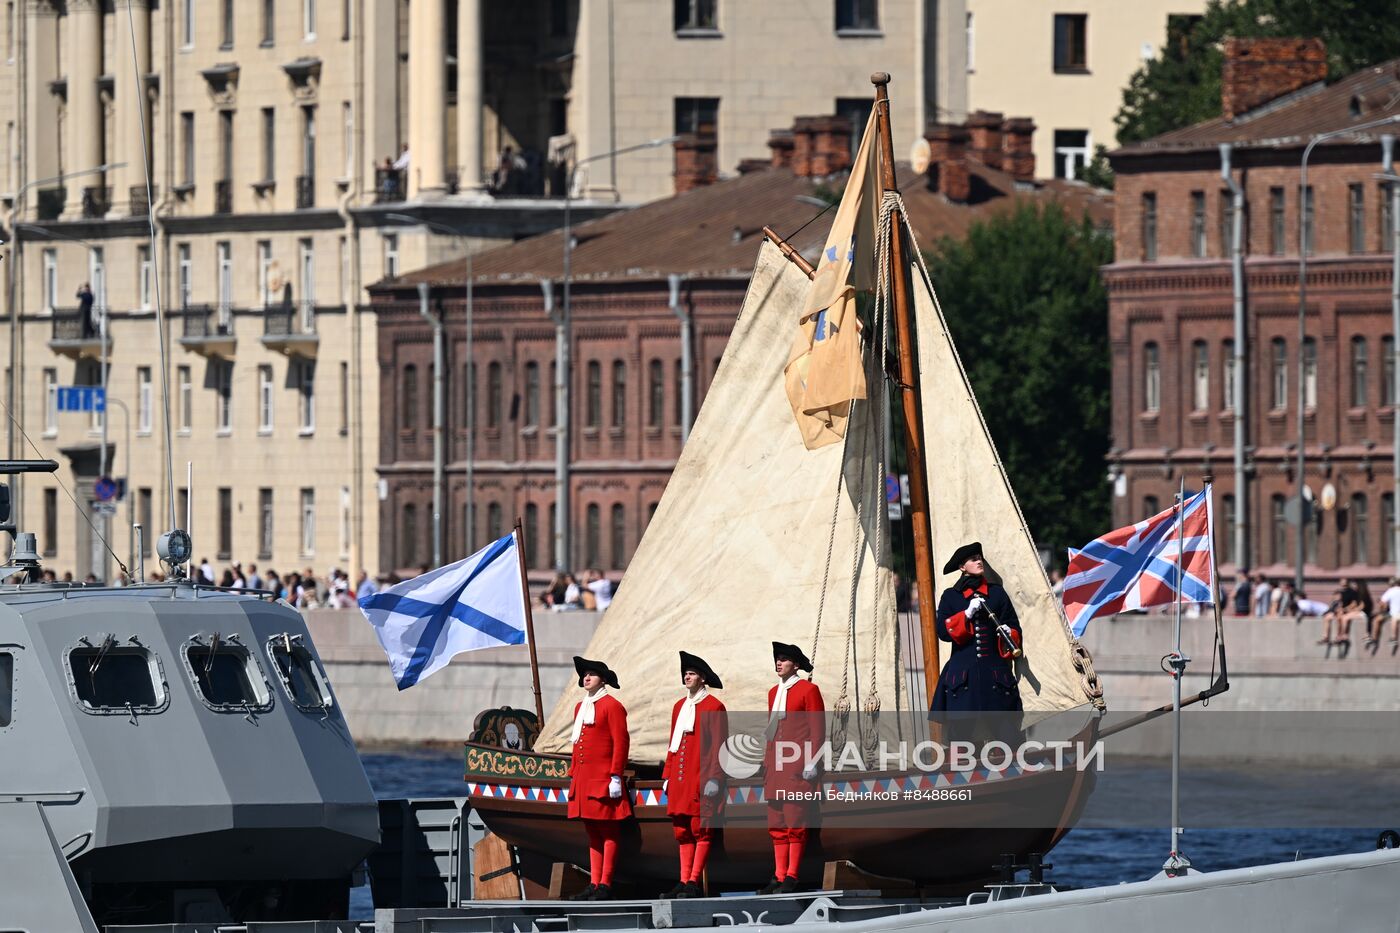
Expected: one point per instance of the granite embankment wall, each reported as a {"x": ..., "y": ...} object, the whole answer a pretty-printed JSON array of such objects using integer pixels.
[{"x": 1281, "y": 705}]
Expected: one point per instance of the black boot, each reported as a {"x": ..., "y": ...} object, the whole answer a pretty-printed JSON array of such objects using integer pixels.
[
  {"x": 789, "y": 885},
  {"x": 675, "y": 892},
  {"x": 689, "y": 890},
  {"x": 586, "y": 894},
  {"x": 603, "y": 893},
  {"x": 772, "y": 886}
]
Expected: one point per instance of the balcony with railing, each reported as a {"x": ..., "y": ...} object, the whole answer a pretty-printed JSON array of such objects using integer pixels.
[
  {"x": 291, "y": 329},
  {"x": 50, "y": 203},
  {"x": 77, "y": 334},
  {"x": 208, "y": 330},
  {"x": 223, "y": 197},
  {"x": 306, "y": 191},
  {"x": 390, "y": 185},
  {"x": 140, "y": 202},
  {"x": 97, "y": 201}
]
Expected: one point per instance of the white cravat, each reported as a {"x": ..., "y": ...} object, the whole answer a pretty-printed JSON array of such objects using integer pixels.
[
  {"x": 584, "y": 716},
  {"x": 779, "y": 711},
  {"x": 685, "y": 719}
]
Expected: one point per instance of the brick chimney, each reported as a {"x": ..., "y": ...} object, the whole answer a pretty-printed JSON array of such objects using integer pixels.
[
  {"x": 1257, "y": 71},
  {"x": 831, "y": 146},
  {"x": 947, "y": 164},
  {"x": 1017, "y": 156},
  {"x": 697, "y": 162},
  {"x": 985, "y": 131},
  {"x": 780, "y": 144},
  {"x": 803, "y": 145}
]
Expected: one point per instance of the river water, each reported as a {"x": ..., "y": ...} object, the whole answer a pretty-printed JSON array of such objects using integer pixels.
[{"x": 1100, "y": 852}]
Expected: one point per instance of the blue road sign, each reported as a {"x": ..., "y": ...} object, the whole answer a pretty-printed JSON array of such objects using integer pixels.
[
  {"x": 104, "y": 489},
  {"x": 82, "y": 398}
]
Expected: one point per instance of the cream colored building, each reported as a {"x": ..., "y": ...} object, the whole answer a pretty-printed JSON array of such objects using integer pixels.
[{"x": 1064, "y": 64}]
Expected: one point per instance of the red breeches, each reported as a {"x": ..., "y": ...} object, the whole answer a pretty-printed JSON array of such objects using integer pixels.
[
  {"x": 787, "y": 827},
  {"x": 602, "y": 849},
  {"x": 693, "y": 836}
]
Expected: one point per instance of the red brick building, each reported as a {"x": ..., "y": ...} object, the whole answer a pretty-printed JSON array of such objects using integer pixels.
[
  {"x": 1171, "y": 318},
  {"x": 626, "y": 340}
]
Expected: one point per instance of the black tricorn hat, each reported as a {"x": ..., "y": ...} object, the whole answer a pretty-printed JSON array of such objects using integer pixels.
[
  {"x": 584, "y": 666},
  {"x": 793, "y": 654},
  {"x": 691, "y": 662},
  {"x": 961, "y": 555}
]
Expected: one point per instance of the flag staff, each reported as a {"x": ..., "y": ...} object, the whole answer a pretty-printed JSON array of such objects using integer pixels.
[
  {"x": 1178, "y": 864},
  {"x": 530, "y": 619}
]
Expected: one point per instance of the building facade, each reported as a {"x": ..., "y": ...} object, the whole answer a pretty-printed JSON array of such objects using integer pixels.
[
  {"x": 1171, "y": 317},
  {"x": 1063, "y": 65}
]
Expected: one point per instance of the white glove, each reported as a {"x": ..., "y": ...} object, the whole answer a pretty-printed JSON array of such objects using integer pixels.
[
  {"x": 614, "y": 787},
  {"x": 974, "y": 606},
  {"x": 665, "y": 786},
  {"x": 711, "y": 788},
  {"x": 809, "y": 772}
]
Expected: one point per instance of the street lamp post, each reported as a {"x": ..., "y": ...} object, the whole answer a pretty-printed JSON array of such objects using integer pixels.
[{"x": 562, "y": 325}]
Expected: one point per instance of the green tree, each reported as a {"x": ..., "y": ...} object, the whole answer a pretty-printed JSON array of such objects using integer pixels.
[
  {"x": 1181, "y": 86},
  {"x": 1029, "y": 312}
]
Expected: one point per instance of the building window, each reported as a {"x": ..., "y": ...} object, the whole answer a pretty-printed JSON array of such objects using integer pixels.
[
  {"x": 697, "y": 115},
  {"x": 264, "y": 399},
  {"x": 225, "y": 523},
  {"x": 1279, "y": 525},
  {"x": 553, "y": 401},
  {"x": 182, "y": 506},
  {"x": 307, "y": 273},
  {"x": 265, "y": 515},
  {"x": 1387, "y": 370},
  {"x": 185, "y": 272},
  {"x": 269, "y": 144},
  {"x": 1279, "y": 401},
  {"x": 185, "y": 402},
  {"x": 144, "y": 400},
  {"x": 532, "y": 394},
  {"x": 855, "y": 112},
  {"x": 345, "y": 9},
  {"x": 1360, "y": 529},
  {"x": 50, "y": 402},
  {"x": 306, "y": 396},
  {"x": 344, "y": 398},
  {"x": 342, "y": 285},
  {"x": 592, "y": 533},
  {"x": 617, "y": 527},
  {"x": 493, "y": 395},
  {"x": 656, "y": 393},
  {"x": 391, "y": 255},
  {"x": 187, "y": 23},
  {"x": 226, "y": 25},
  {"x": 1150, "y": 506},
  {"x": 1356, "y": 209},
  {"x": 1387, "y": 221},
  {"x": 50, "y": 522},
  {"x": 1152, "y": 378},
  {"x": 593, "y": 407},
  {"x": 857, "y": 14},
  {"x": 1309, "y": 226},
  {"x": 308, "y": 521},
  {"x": 50, "y": 278},
  {"x": 1358, "y": 371},
  {"x": 469, "y": 397},
  {"x": 223, "y": 396},
  {"x": 530, "y": 532},
  {"x": 970, "y": 43},
  {"x": 308, "y": 19},
  {"x": 1071, "y": 152},
  {"x": 97, "y": 275},
  {"x": 308, "y": 141},
  {"x": 1198, "y": 224},
  {"x": 345, "y": 522},
  {"x": 347, "y": 136},
  {"x": 1227, "y": 529},
  {"x": 619, "y": 393},
  {"x": 187, "y": 149},
  {"x": 1149, "y": 226},
  {"x": 1309, "y": 373},
  {"x": 408, "y": 413},
  {"x": 1277, "y": 230},
  {"x": 549, "y": 535},
  {"x": 1227, "y": 223},
  {"x": 495, "y": 526},
  {"x": 145, "y": 280},
  {"x": 1387, "y": 528},
  {"x": 224, "y": 257},
  {"x": 676, "y": 393},
  {"x": 1071, "y": 43},
  {"x": 696, "y": 14},
  {"x": 1200, "y": 376},
  {"x": 266, "y": 299},
  {"x": 145, "y": 514},
  {"x": 408, "y": 543},
  {"x": 269, "y": 21},
  {"x": 1228, "y": 386}
]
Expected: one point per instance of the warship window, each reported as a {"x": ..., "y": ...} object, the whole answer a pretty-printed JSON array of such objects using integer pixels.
[
  {"x": 226, "y": 677},
  {"x": 108, "y": 678},
  {"x": 299, "y": 673},
  {"x": 7, "y": 688}
]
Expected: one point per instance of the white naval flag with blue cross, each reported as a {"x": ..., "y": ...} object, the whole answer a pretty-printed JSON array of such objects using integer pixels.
[{"x": 425, "y": 622}]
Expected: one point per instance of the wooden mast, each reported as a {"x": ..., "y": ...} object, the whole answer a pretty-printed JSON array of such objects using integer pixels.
[
  {"x": 529, "y": 621},
  {"x": 909, "y": 399}
]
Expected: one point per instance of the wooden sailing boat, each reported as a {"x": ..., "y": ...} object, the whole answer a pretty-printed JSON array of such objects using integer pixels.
[{"x": 759, "y": 538}]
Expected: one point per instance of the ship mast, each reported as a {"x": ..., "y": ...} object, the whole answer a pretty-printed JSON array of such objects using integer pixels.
[{"x": 909, "y": 398}]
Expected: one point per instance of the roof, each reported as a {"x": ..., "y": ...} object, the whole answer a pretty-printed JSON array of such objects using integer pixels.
[
  {"x": 1290, "y": 121},
  {"x": 715, "y": 231}
]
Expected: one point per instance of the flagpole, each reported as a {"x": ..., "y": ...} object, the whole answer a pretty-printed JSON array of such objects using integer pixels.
[
  {"x": 530, "y": 619},
  {"x": 1177, "y": 864}
]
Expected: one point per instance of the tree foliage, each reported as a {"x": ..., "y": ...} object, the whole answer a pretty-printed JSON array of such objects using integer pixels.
[
  {"x": 1029, "y": 312},
  {"x": 1181, "y": 85}
]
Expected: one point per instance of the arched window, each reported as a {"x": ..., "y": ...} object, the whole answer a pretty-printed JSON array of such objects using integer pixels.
[
  {"x": 656, "y": 393},
  {"x": 1387, "y": 370},
  {"x": 679, "y": 394},
  {"x": 1152, "y": 378},
  {"x": 1387, "y": 528},
  {"x": 1279, "y": 400},
  {"x": 532, "y": 394},
  {"x": 408, "y": 545},
  {"x": 530, "y": 532},
  {"x": 1227, "y": 387},
  {"x": 495, "y": 526},
  {"x": 1360, "y": 529},
  {"x": 1200, "y": 376},
  {"x": 617, "y": 528},
  {"x": 1226, "y": 532},
  {"x": 1358, "y": 371},
  {"x": 1309, "y": 372},
  {"x": 619, "y": 393},
  {"x": 493, "y": 395},
  {"x": 549, "y": 535},
  {"x": 1279, "y": 525},
  {"x": 553, "y": 394},
  {"x": 408, "y": 414},
  {"x": 593, "y": 410},
  {"x": 1150, "y": 506},
  {"x": 592, "y": 533},
  {"x": 469, "y": 397}
]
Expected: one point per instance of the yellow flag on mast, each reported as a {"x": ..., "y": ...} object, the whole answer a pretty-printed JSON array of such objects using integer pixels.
[{"x": 824, "y": 372}]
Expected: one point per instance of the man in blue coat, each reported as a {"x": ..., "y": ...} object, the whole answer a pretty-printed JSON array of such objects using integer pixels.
[{"x": 978, "y": 618}]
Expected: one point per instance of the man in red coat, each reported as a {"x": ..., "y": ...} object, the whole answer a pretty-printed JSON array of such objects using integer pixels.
[
  {"x": 596, "y": 794},
  {"x": 795, "y": 724},
  {"x": 694, "y": 783}
]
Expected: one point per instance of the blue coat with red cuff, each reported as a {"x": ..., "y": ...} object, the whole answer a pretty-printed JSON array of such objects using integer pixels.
[{"x": 978, "y": 676}]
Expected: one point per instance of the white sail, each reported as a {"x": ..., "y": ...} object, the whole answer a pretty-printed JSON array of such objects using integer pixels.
[{"x": 735, "y": 555}]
